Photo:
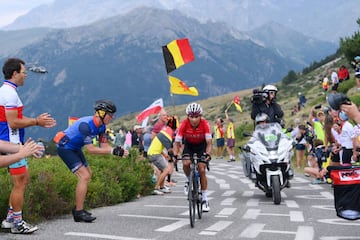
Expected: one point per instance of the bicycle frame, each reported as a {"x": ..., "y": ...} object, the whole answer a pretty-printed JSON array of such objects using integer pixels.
[{"x": 194, "y": 189}]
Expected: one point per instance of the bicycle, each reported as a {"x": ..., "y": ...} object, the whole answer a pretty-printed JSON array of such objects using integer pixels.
[{"x": 194, "y": 188}]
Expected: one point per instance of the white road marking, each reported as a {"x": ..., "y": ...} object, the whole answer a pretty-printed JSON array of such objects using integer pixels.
[
  {"x": 339, "y": 221},
  {"x": 252, "y": 231},
  {"x": 173, "y": 226},
  {"x": 322, "y": 196},
  {"x": 215, "y": 228},
  {"x": 291, "y": 204},
  {"x": 340, "y": 238},
  {"x": 226, "y": 212},
  {"x": 228, "y": 201},
  {"x": 151, "y": 217},
  {"x": 248, "y": 193},
  {"x": 252, "y": 202},
  {"x": 228, "y": 193},
  {"x": 102, "y": 236},
  {"x": 295, "y": 216}
]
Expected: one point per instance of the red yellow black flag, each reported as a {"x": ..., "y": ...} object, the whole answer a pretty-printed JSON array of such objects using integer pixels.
[{"x": 177, "y": 53}]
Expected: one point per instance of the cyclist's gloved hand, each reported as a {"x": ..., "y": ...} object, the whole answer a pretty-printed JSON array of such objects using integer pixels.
[
  {"x": 118, "y": 151},
  {"x": 207, "y": 156}
]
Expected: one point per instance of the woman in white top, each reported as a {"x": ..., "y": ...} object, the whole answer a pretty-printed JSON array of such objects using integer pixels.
[{"x": 345, "y": 139}]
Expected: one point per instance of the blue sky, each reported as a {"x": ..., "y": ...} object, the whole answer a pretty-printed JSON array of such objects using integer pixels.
[{"x": 11, "y": 9}]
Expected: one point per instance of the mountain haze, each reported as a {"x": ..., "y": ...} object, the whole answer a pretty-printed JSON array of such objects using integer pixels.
[
  {"x": 120, "y": 58},
  {"x": 326, "y": 20}
]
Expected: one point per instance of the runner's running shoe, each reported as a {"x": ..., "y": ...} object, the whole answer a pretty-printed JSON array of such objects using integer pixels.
[
  {"x": 6, "y": 225},
  {"x": 23, "y": 228}
]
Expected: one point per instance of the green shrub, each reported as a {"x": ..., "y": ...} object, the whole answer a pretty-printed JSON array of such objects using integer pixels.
[{"x": 51, "y": 191}]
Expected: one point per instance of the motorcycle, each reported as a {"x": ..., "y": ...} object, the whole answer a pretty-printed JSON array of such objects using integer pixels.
[{"x": 266, "y": 159}]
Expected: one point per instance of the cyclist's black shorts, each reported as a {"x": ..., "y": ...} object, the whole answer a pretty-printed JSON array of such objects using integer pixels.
[{"x": 199, "y": 149}]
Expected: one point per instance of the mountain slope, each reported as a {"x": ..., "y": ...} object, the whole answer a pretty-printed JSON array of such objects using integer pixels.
[{"x": 120, "y": 58}]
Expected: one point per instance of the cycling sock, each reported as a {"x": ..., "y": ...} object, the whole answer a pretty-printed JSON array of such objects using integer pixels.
[{"x": 204, "y": 195}]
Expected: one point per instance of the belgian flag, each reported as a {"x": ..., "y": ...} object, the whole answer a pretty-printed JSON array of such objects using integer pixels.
[{"x": 177, "y": 53}]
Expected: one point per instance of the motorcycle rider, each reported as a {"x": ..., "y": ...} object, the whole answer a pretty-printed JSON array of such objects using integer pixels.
[
  {"x": 261, "y": 121},
  {"x": 268, "y": 105}
]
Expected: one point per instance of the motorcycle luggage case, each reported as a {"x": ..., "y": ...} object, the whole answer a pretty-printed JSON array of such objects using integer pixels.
[{"x": 346, "y": 183}]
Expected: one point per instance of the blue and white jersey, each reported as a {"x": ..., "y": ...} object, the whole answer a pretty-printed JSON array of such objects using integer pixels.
[{"x": 9, "y": 100}]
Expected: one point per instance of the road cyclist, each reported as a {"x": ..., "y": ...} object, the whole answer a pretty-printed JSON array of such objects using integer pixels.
[{"x": 195, "y": 132}]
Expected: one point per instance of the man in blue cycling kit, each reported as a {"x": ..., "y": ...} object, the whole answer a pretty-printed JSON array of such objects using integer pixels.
[{"x": 69, "y": 147}]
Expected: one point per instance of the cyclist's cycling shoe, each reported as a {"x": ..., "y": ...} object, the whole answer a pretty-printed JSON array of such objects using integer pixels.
[
  {"x": 82, "y": 216},
  {"x": 186, "y": 188},
  {"x": 205, "y": 206}
]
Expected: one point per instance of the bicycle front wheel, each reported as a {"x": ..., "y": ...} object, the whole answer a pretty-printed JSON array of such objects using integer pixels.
[
  {"x": 192, "y": 198},
  {"x": 199, "y": 200}
]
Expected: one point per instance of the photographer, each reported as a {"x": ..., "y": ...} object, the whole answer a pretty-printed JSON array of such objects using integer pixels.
[{"x": 265, "y": 102}]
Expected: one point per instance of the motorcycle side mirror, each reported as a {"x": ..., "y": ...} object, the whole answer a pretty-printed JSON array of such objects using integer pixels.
[
  {"x": 246, "y": 148},
  {"x": 246, "y": 134}
]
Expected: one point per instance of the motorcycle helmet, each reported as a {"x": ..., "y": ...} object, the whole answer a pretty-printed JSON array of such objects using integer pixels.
[
  {"x": 261, "y": 117},
  {"x": 194, "y": 109},
  {"x": 357, "y": 58},
  {"x": 269, "y": 88}
]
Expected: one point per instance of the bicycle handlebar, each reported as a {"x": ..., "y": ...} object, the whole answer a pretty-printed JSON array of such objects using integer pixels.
[{"x": 199, "y": 159}]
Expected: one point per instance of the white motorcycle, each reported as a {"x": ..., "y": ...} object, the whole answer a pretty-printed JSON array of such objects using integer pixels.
[{"x": 266, "y": 159}]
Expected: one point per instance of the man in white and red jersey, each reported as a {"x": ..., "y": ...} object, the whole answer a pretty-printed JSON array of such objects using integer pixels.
[
  {"x": 195, "y": 133},
  {"x": 12, "y": 129}
]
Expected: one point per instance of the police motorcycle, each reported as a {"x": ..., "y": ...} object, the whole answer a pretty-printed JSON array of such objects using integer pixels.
[{"x": 267, "y": 156}]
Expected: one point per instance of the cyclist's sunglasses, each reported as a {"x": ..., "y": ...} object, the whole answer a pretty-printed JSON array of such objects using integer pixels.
[{"x": 194, "y": 115}]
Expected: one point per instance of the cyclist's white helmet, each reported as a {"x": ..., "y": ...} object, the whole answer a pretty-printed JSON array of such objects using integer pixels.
[
  {"x": 268, "y": 88},
  {"x": 261, "y": 117},
  {"x": 357, "y": 58},
  {"x": 194, "y": 108}
]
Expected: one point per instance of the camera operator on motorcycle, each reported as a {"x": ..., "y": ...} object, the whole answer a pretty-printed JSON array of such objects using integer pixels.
[{"x": 265, "y": 102}]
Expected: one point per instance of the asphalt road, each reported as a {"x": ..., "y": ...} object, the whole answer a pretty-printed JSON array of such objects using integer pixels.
[{"x": 238, "y": 211}]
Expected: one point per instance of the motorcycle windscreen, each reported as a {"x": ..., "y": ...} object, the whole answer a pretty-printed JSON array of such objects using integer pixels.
[{"x": 269, "y": 135}]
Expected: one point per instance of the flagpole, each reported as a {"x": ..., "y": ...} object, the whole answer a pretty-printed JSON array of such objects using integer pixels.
[
  {"x": 229, "y": 106},
  {"x": 173, "y": 102}
]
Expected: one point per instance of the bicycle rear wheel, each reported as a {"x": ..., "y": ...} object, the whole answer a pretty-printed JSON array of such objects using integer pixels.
[{"x": 192, "y": 198}]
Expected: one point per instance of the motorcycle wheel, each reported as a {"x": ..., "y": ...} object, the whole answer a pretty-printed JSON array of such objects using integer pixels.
[{"x": 275, "y": 184}]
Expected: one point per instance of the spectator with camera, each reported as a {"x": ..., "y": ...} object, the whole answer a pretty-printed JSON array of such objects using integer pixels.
[{"x": 265, "y": 102}]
